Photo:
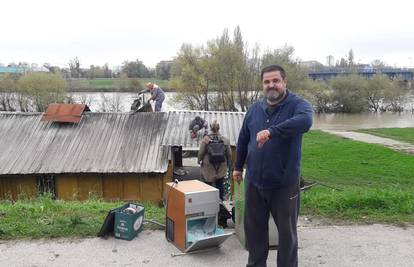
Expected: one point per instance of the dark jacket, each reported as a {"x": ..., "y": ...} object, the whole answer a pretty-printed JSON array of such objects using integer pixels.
[
  {"x": 277, "y": 163},
  {"x": 198, "y": 121}
]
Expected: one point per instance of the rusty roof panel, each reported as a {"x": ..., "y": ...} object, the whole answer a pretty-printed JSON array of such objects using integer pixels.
[
  {"x": 64, "y": 112},
  {"x": 177, "y": 133},
  {"x": 99, "y": 143}
]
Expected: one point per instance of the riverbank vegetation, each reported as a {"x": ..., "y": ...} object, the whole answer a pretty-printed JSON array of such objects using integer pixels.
[
  {"x": 35, "y": 91},
  {"x": 224, "y": 74},
  {"x": 31, "y": 92}
]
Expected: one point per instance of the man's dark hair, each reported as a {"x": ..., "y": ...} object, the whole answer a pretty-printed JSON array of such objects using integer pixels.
[{"x": 271, "y": 68}]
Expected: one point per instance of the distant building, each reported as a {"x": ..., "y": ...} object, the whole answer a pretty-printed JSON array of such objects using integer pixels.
[
  {"x": 12, "y": 70},
  {"x": 311, "y": 64},
  {"x": 330, "y": 61},
  {"x": 39, "y": 69},
  {"x": 22, "y": 70}
]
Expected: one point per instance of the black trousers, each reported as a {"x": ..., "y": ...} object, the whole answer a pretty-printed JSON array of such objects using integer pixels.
[
  {"x": 219, "y": 184},
  {"x": 283, "y": 204}
]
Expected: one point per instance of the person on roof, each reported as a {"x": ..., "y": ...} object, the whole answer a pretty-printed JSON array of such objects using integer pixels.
[
  {"x": 196, "y": 125},
  {"x": 157, "y": 95}
]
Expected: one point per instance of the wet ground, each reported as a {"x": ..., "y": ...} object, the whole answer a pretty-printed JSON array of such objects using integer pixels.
[{"x": 320, "y": 245}]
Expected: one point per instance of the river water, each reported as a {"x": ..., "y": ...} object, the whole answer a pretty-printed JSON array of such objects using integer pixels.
[
  {"x": 114, "y": 101},
  {"x": 363, "y": 121}
]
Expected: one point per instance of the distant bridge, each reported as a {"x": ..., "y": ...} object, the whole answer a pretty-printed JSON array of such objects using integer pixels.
[{"x": 392, "y": 73}]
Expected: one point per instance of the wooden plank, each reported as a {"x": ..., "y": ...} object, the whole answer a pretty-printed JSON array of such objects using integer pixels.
[
  {"x": 89, "y": 186},
  {"x": 2, "y": 192},
  {"x": 26, "y": 186},
  {"x": 152, "y": 188},
  {"x": 112, "y": 187},
  {"x": 9, "y": 188},
  {"x": 131, "y": 188},
  {"x": 66, "y": 187}
]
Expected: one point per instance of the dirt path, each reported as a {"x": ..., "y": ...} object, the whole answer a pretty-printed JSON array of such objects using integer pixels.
[
  {"x": 372, "y": 139},
  {"x": 320, "y": 245}
]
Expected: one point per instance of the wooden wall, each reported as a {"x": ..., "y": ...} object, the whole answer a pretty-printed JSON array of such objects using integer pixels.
[
  {"x": 138, "y": 187},
  {"x": 13, "y": 186}
]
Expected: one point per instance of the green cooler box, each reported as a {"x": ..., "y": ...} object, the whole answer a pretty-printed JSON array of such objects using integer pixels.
[{"x": 128, "y": 221}]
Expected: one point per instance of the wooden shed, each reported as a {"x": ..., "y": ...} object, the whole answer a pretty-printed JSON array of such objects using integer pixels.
[{"x": 112, "y": 155}]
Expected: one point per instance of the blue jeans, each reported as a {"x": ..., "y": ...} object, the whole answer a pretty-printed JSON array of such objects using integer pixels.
[{"x": 158, "y": 105}]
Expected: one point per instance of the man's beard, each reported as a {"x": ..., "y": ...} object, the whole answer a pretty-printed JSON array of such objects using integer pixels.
[{"x": 274, "y": 97}]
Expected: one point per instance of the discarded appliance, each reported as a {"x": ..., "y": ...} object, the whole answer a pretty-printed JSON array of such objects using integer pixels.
[
  {"x": 139, "y": 105},
  {"x": 124, "y": 222},
  {"x": 192, "y": 215}
]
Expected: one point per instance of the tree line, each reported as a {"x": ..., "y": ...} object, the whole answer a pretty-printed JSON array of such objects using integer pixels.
[
  {"x": 75, "y": 70},
  {"x": 224, "y": 74},
  {"x": 132, "y": 69},
  {"x": 32, "y": 92},
  {"x": 36, "y": 90}
]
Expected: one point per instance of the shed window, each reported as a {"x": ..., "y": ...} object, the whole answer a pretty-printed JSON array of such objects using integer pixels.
[{"x": 46, "y": 184}]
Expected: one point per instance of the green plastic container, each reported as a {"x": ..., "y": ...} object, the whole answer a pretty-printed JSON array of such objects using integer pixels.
[{"x": 128, "y": 223}]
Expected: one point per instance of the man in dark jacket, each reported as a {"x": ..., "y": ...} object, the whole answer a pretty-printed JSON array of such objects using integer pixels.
[
  {"x": 270, "y": 143},
  {"x": 197, "y": 124}
]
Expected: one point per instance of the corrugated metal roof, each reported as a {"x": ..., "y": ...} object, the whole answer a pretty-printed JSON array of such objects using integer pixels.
[
  {"x": 100, "y": 143},
  {"x": 177, "y": 133},
  {"x": 64, "y": 112}
]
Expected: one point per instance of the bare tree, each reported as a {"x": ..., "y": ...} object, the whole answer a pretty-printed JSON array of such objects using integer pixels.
[
  {"x": 74, "y": 66},
  {"x": 7, "y": 95},
  {"x": 110, "y": 104},
  {"x": 37, "y": 90}
]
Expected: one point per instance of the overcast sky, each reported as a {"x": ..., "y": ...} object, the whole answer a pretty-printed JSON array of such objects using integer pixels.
[{"x": 152, "y": 30}]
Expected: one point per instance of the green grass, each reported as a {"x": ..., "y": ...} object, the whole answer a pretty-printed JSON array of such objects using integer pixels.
[
  {"x": 401, "y": 134},
  {"x": 377, "y": 183},
  {"x": 159, "y": 82},
  {"x": 99, "y": 83},
  {"x": 44, "y": 217},
  {"x": 360, "y": 205}
]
